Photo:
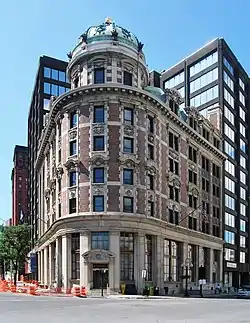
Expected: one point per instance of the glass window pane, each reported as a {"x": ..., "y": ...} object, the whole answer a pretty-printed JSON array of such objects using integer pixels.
[
  {"x": 62, "y": 76},
  {"x": 54, "y": 74},
  {"x": 54, "y": 89},
  {"x": 47, "y": 72},
  {"x": 47, "y": 88},
  {"x": 61, "y": 90}
]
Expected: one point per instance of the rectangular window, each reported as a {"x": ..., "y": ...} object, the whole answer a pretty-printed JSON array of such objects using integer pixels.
[
  {"x": 98, "y": 175},
  {"x": 204, "y": 97},
  {"x": 128, "y": 204},
  {"x": 228, "y": 97},
  {"x": 192, "y": 154},
  {"x": 99, "y": 76},
  {"x": 150, "y": 182},
  {"x": 192, "y": 201},
  {"x": 54, "y": 75},
  {"x": 151, "y": 208},
  {"x": 100, "y": 240},
  {"x": 229, "y": 115},
  {"x": 242, "y": 161},
  {"x": 174, "y": 81},
  {"x": 173, "y": 141},
  {"x": 128, "y": 176},
  {"x": 72, "y": 148},
  {"x": 242, "y": 193},
  {"x": 203, "y": 64},
  {"x": 72, "y": 205},
  {"x": 181, "y": 91},
  {"x": 46, "y": 104},
  {"x": 229, "y": 149},
  {"x": 61, "y": 90},
  {"x": 242, "y": 114},
  {"x": 62, "y": 76},
  {"x": 99, "y": 114},
  {"x": 229, "y": 254},
  {"x": 73, "y": 119},
  {"x": 127, "y": 78},
  {"x": 75, "y": 254},
  {"x": 98, "y": 203},
  {"x": 216, "y": 190},
  {"x": 242, "y": 225},
  {"x": 150, "y": 152},
  {"x": 72, "y": 178},
  {"x": 242, "y": 145},
  {"x": 242, "y": 257},
  {"x": 242, "y": 130},
  {"x": 192, "y": 177},
  {"x": 243, "y": 209},
  {"x": 228, "y": 65},
  {"x": 243, "y": 177},
  {"x": 242, "y": 98},
  {"x": 150, "y": 123},
  {"x": 229, "y": 202},
  {"x": 173, "y": 217},
  {"x": 98, "y": 143},
  {"x": 229, "y": 184},
  {"x": 173, "y": 166},
  {"x": 205, "y": 185},
  {"x": 128, "y": 116},
  {"x": 241, "y": 83},
  {"x": 47, "y": 88},
  {"x": 228, "y": 81},
  {"x": 242, "y": 242},
  {"x": 54, "y": 89},
  {"x": 128, "y": 145},
  {"x": 47, "y": 72},
  {"x": 230, "y": 167},
  {"x": 174, "y": 193},
  {"x": 230, "y": 220},
  {"x": 204, "y": 80},
  {"x": 229, "y": 237},
  {"x": 205, "y": 163},
  {"x": 126, "y": 256}
]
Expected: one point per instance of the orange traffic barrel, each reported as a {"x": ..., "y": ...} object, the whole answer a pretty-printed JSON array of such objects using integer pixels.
[
  {"x": 84, "y": 291},
  {"x": 76, "y": 291},
  {"x": 32, "y": 290}
]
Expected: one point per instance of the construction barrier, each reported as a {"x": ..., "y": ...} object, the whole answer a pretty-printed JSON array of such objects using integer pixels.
[
  {"x": 32, "y": 290},
  {"x": 84, "y": 291},
  {"x": 13, "y": 288},
  {"x": 76, "y": 291}
]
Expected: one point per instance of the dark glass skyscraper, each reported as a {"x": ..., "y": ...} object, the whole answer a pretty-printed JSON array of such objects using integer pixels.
[
  {"x": 213, "y": 81},
  {"x": 50, "y": 81}
]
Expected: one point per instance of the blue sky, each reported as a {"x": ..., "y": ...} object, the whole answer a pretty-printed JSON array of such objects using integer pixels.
[{"x": 170, "y": 31}]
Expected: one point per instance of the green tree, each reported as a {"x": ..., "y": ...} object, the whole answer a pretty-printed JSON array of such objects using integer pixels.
[{"x": 14, "y": 246}]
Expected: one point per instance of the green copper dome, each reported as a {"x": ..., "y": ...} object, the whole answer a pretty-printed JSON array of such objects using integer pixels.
[{"x": 110, "y": 31}]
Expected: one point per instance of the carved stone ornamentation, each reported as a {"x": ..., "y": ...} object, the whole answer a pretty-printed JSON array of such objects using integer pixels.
[
  {"x": 129, "y": 193},
  {"x": 98, "y": 129},
  {"x": 132, "y": 161},
  {"x": 52, "y": 184},
  {"x": 72, "y": 163},
  {"x": 173, "y": 154},
  {"x": 151, "y": 170},
  {"x": 98, "y": 190},
  {"x": 151, "y": 138},
  {"x": 59, "y": 143},
  {"x": 128, "y": 130},
  {"x": 59, "y": 172},
  {"x": 174, "y": 95},
  {"x": 151, "y": 198},
  {"x": 72, "y": 193},
  {"x": 72, "y": 134},
  {"x": 47, "y": 193},
  {"x": 173, "y": 206},
  {"x": 98, "y": 160},
  {"x": 98, "y": 256}
]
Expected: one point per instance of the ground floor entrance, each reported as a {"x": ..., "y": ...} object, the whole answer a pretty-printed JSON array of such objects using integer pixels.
[{"x": 100, "y": 276}]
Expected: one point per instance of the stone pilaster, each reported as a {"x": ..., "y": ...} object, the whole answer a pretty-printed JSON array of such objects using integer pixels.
[
  {"x": 84, "y": 269},
  {"x": 114, "y": 280},
  {"x": 139, "y": 261},
  {"x": 58, "y": 259},
  {"x": 45, "y": 263},
  {"x": 159, "y": 264},
  {"x": 220, "y": 265},
  {"x": 66, "y": 261},
  {"x": 50, "y": 264}
]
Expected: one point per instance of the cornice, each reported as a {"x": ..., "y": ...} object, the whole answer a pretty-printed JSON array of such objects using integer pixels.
[{"x": 75, "y": 95}]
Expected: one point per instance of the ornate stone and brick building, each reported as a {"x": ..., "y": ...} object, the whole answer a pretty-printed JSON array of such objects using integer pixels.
[{"x": 127, "y": 181}]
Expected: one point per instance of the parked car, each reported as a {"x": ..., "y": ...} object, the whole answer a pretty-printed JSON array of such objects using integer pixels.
[{"x": 244, "y": 292}]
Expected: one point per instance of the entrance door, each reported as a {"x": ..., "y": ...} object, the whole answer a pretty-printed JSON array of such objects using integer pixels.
[{"x": 100, "y": 276}]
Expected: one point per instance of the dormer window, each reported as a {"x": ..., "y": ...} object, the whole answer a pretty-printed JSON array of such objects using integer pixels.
[
  {"x": 173, "y": 106},
  {"x": 127, "y": 78},
  {"x": 99, "y": 75}
]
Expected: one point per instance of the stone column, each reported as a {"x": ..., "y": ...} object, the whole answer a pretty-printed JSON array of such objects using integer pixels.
[
  {"x": 41, "y": 267},
  {"x": 66, "y": 261},
  {"x": 50, "y": 264},
  {"x": 159, "y": 263},
  {"x": 184, "y": 256},
  {"x": 45, "y": 263},
  {"x": 220, "y": 264},
  {"x": 210, "y": 265},
  {"x": 139, "y": 261},
  {"x": 84, "y": 269},
  {"x": 114, "y": 280},
  {"x": 58, "y": 256}
]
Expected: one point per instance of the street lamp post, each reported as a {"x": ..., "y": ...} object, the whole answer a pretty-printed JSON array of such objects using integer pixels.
[{"x": 186, "y": 266}]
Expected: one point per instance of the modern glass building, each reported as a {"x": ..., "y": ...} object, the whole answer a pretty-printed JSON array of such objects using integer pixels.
[
  {"x": 213, "y": 81},
  {"x": 50, "y": 81}
]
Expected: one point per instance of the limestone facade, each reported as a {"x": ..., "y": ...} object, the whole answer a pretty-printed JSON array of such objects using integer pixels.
[{"x": 126, "y": 185}]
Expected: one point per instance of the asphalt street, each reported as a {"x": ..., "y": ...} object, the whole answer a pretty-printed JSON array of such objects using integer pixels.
[{"x": 23, "y": 308}]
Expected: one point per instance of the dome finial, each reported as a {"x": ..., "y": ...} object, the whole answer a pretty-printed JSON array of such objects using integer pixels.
[{"x": 108, "y": 21}]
